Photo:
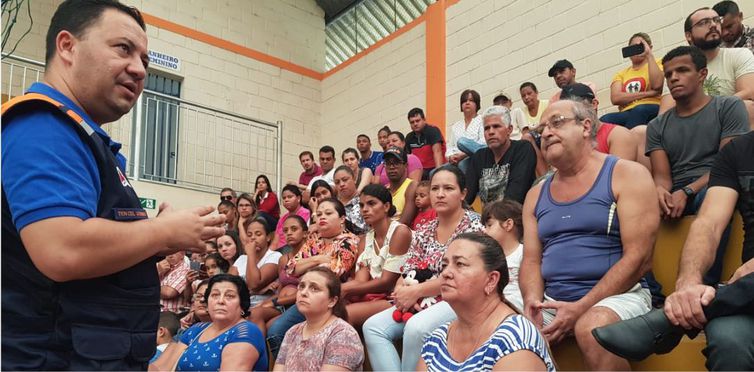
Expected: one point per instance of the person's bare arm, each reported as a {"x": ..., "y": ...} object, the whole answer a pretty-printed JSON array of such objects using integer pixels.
[
  {"x": 169, "y": 357},
  {"x": 258, "y": 278},
  {"x": 704, "y": 235},
  {"x": 167, "y": 292},
  {"x": 84, "y": 249},
  {"x": 421, "y": 366},
  {"x": 530, "y": 274},
  {"x": 620, "y": 98},
  {"x": 415, "y": 175},
  {"x": 622, "y": 143},
  {"x": 366, "y": 178},
  {"x": 437, "y": 154},
  {"x": 656, "y": 76},
  {"x": 238, "y": 356},
  {"x": 409, "y": 207},
  {"x": 745, "y": 86},
  {"x": 521, "y": 360},
  {"x": 666, "y": 103},
  {"x": 639, "y": 218},
  {"x": 662, "y": 179}
]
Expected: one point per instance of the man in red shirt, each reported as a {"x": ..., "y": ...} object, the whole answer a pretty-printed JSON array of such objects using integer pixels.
[{"x": 311, "y": 169}]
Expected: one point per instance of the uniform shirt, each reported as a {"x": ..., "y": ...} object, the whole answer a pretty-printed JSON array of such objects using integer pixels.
[{"x": 64, "y": 183}]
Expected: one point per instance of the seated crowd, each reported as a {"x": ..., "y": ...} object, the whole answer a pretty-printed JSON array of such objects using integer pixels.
[{"x": 386, "y": 246}]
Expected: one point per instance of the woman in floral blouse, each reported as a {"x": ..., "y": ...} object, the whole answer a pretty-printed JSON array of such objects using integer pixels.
[
  {"x": 383, "y": 255},
  {"x": 331, "y": 246},
  {"x": 429, "y": 243}
]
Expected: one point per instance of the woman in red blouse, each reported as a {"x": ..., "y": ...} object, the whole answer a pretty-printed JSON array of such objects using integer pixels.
[{"x": 266, "y": 200}]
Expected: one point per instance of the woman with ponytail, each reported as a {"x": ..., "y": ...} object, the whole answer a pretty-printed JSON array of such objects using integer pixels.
[{"x": 324, "y": 341}]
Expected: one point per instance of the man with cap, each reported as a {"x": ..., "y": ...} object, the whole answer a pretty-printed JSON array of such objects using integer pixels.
[
  {"x": 505, "y": 169},
  {"x": 730, "y": 71},
  {"x": 564, "y": 74},
  {"x": 401, "y": 187},
  {"x": 611, "y": 138},
  {"x": 80, "y": 288},
  {"x": 682, "y": 142}
]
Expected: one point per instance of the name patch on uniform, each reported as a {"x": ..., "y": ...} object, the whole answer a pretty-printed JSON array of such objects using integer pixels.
[{"x": 129, "y": 214}]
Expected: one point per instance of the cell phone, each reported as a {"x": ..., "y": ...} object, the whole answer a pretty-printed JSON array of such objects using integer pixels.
[
  {"x": 633, "y": 50},
  {"x": 195, "y": 265}
]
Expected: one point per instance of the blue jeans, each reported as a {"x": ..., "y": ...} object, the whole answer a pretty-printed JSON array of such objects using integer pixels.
[
  {"x": 279, "y": 327},
  {"x": 468, "y": 147},
  {"x": 380, "y": 331},
  {"x": 638, "y": 115}
]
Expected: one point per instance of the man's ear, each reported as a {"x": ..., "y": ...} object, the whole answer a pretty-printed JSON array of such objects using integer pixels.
[
  {"x": 688, "y": 38},
  {"x": 65, "y": 44}
]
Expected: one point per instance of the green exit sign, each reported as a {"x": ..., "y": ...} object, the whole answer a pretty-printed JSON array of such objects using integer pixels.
[{"x": 147, "y": 203}]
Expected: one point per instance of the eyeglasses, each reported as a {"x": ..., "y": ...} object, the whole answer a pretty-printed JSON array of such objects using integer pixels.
[
  {"x": 706, "y": 21},
  {"x": 226, "y": 197},
  {"x": 393, "y": 164},
  {"x": 555, "y": 124},
  {"x": 199, "y": 297}
]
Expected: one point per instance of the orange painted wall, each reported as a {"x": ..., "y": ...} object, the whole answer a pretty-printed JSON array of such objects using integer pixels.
[{"x": 435, "y": 54}]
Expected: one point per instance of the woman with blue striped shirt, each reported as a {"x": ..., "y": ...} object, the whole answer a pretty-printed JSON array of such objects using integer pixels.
[{"x": 488, "y": 334}]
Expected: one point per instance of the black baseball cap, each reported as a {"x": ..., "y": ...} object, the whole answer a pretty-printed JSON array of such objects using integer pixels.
[
  {"x": 397, "y": 153},
  {"x": 577, "y": 90},
  {"x": 559, "y": 65}
]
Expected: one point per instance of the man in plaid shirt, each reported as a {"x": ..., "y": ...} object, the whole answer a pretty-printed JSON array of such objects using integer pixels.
[{"x": 173, "y": 270}]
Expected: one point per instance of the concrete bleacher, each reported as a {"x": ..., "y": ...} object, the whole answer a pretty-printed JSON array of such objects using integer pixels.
[{"x": 688, "y": 355}]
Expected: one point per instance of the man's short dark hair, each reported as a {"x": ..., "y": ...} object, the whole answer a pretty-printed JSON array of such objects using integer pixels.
[
  {"x": 474, "y": 97},
  {"x": 306, "y": 153},
  {"x": 687, "y": 24},
  {"x": 365, "y": 136},
  {"x": 530, "y": 85},
  {"x": 724, "y": 8},
  {"x": 415, "y": 111},
  {"x": 232, "y": 192},
  {"x": 500, "y": 99},
  {"x": 170, "y": 321},
  {"x": 76, "y": 16},
  {"x": 326, "y": 149},
  {"x": 700, "y": 61}
]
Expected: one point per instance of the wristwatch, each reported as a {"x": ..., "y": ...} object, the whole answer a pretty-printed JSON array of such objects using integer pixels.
[{"x": 688, "y": 191}]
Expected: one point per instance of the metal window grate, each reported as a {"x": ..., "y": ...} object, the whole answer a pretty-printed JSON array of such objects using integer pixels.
[{"x": 365, "y": 24}]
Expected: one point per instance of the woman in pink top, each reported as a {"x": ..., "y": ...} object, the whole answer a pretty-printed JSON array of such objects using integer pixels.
[
  {"x": 325, "y": 341},
  {"x": 291, "y": 196}
]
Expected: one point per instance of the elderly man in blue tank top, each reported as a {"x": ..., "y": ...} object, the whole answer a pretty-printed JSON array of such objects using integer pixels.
[{"x": 589, "y": 230}]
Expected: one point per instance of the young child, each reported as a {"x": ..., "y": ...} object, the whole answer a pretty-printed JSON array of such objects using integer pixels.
[
  {"x": 502, "y": 221},
  {"x": 425, "y": 211},
  {"x": 167, "y": 328}
]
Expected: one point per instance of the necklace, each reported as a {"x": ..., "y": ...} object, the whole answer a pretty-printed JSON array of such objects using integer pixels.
[{"x": 455, "y": 347}]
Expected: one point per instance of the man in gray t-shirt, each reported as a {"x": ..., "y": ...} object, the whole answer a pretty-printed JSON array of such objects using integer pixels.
[{"x": 682, "y": 142}]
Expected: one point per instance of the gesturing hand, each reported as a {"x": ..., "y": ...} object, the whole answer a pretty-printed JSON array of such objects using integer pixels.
[{"x": 187, "y": 229}]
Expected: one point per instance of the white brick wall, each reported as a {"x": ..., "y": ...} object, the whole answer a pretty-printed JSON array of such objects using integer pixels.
[
  {"x": 374, "y": 91},
  {"x": 495, "y": 46}
]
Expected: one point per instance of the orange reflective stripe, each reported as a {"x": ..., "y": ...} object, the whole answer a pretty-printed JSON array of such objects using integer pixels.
[{"x": 41, "y": 97}]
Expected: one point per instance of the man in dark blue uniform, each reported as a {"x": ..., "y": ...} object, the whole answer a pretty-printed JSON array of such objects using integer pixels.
[{"x": 79, "y": 282}]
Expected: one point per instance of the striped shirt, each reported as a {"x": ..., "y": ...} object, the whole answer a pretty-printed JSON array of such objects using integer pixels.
[{"x": 513, "y": 334}]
